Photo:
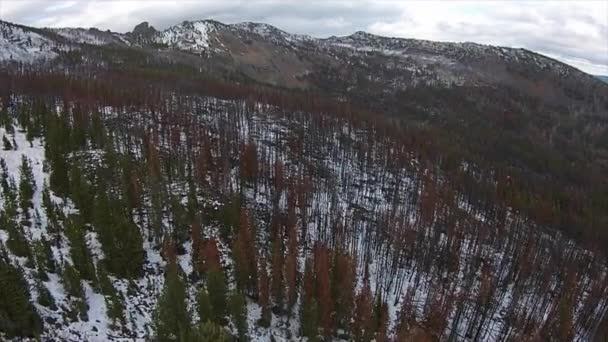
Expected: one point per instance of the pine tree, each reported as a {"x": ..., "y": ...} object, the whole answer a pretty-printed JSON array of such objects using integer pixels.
[
  {"x": 81, "y": 255},
  {"x": 407, "y": 316},
  {"x": 244, "y": 256},
  {"x": 216, "y": 285},
  {"x": 44, "y": 258},
  {"x": 18, "y": 317},
  {"x": 56, "y": 149},
  {"x": 310, "y": 320},
  {"x": 114, "y": 302},
  {"x": 205, "y": 310},
  {"x": 4, "y": 179},
  {"x": 343, "y": 288},
  {"x": 211, "y": 255},
  {"x": 323, "y": 288},
  {"x": 97, "y": 131},
  {"x": 171, "y": 320},
  {"x": 197, "y": 247},
  {"x": 381, "y": 320},
  {"x": 120, "y": 239},
  {"x": 362, "y": 325},
  {"x": 276, "y": 286},
  {"x": 44, "y": 296},
  {"x": 7, "y": 144},
  {"x": 9, "y": 219},
  {"x": 5, "y": 119},
  {"x": 210, "y": 332},
  {"x": 309, "y": 310},
  {"x": 71, "y": 281},
  {"x": 249, "y": 162},
  {"x": 27, "y": 185},
  {"x": 291, "y": 267},
  {"x": 80, "y": 192},
  {"x": 264, "y": 300},
  {"x": 238, "y": 311}
]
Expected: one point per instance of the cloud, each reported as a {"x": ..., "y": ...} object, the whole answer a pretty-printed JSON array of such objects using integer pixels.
[{"x": 574, "y": 32}]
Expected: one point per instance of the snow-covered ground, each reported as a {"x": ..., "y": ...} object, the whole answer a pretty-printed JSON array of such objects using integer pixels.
[{"x": 347, "y": 188}]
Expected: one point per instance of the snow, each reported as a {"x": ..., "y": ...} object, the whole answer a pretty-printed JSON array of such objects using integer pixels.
[
  {"x": 18, "y": 44},
  {"x": 92, "y": 37},
  {"x": 345, "y": 184},
  {"x": 191, "y": 36}
]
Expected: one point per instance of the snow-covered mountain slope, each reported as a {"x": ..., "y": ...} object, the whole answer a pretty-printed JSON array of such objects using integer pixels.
[
  {"x": 467, "y": 272},
  {"x": 189, "y": 36},
  {"x": 400, "y": 63},
  {"x": 21, "y": 44},
  {"x": 91, "y": 36}
]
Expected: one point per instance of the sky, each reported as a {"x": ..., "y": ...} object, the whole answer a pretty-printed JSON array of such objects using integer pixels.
[{"x": 575, "y": 32}]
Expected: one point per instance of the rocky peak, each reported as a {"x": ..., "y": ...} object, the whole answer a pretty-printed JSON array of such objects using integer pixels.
[{"x": 143, "y": 33}]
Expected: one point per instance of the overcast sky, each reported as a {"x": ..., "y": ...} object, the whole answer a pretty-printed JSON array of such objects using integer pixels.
[{"x": 574, "y": 32}]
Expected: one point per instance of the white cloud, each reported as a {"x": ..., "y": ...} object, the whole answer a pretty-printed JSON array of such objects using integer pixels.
[{"x": 575, "y": 32}]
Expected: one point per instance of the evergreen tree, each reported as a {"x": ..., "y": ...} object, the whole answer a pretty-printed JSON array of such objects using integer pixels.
[
  {"x": 362, "y": 325},
  {"x": 291, "y": 268},
  {"x": 238, "y": 311},
  {"x": 120, "y": 239},
  {"x": 209, "y": 332},
  {"x": 171, "y": 320},
  {"x": 83, "y": 260},
  {"x": 73, "y": 285},
  {"x": 205, "y": 310},
  {"x": 44, "y": 258},
  {"x": 264, "y": 300},
  {"x": 17, "y": 243},
  {"x": 216, "y": 285},
  {"x": 44, "y": 296},
  {"x": 18, "y": 317},
  {"x": 114, "y": 302},
  {"x": 5, "y": 119},
  {"x": 310, "y": 320},
  {"x": 277, "y": 288},
  {"x": 27, "y": 185},
  {"x": 80, "y": 192},
  {"x": 97, "y": 131},
  {"x": 7, "y": 143},
  {"x": 244, "y": 255},
  {"x": 4, "y": 179},
  {"x": 57, "y": 147},
  {"x": 381, "y": 320},
  {"x": 309, "y": 310},
  {"x": 181, "y": 222},
  {"x": 343, "y": 288}
]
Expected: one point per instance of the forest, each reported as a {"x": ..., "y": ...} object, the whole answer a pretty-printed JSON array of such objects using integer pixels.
[{"x": 210, "y": 210}]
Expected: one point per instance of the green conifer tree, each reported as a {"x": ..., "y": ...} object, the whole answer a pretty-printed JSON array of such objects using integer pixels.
[
  {"x": 216, "y": 285},
  {"x": 238, "y": 311},
  {"x": 81, "y": 255},
  {"x": 205, "y": 311},
  {"x": 18, "y": 317},
  {"x": 210, "y": 332},
  {"x": 171, "y": 320},
  {"x": 71, "y": 281}
]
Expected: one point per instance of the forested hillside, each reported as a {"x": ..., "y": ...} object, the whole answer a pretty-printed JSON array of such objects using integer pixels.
[{"x": 147, "y": 207}]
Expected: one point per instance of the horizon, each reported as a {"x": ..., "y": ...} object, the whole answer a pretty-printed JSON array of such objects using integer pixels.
[{"x": 575, "y": 33}]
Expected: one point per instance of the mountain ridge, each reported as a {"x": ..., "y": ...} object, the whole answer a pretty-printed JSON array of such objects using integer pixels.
[{"x": 261, "y": 29}]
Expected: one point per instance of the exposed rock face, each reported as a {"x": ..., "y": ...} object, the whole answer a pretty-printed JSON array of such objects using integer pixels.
[{"x": 143, "y": 34}]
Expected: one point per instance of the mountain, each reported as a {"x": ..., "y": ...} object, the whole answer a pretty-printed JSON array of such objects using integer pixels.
[
  {"x": 603, "y": 78},
  {"x": 252, "y": 47},
  {"x": 242, "y": 182}
]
